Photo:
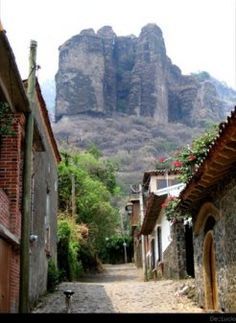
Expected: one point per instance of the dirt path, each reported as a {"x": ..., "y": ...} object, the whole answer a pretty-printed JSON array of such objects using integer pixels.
[{"x": 120, "y": 289}]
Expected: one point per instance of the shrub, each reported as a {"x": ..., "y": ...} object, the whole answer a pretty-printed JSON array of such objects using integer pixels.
[
  {"x": 53, "y": 275},
  {"x": 69, "y": 239}
]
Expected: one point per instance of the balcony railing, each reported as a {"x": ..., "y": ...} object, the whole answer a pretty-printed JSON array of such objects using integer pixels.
[{"x": 173, "y": 190}]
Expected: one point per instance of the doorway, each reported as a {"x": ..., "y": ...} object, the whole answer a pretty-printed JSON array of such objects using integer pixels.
[
  {"x": 209, "y": 272},
  {"x": 189, "y": 250},
  {"x": 159, "y": 244}
]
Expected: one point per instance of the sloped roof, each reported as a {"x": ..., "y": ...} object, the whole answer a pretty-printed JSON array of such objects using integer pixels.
[
  {"x": 219, "y": 162},
  {"x": 153, "y": 209},
  {"x": 10, "y": 79}
]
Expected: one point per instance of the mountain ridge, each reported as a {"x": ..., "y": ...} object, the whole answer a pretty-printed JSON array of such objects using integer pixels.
[
  {"x": 105, "y": 73},
  {"x": 124, "y": 95}
]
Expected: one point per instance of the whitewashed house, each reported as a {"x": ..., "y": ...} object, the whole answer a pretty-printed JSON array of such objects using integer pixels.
[{"x": 168, "y": 246}]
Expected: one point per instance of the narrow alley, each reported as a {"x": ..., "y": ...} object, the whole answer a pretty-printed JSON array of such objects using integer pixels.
[{"x": 120, "y": 289}]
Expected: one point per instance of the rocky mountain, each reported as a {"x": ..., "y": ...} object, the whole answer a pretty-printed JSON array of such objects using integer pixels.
[
  {"x": 102, "y": 74},
  {"x": 124, "y": 95}
]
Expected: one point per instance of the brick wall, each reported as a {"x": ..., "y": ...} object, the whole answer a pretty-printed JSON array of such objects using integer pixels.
[
  {"x": 10, "y": 172},
  {"x": 11, "y": 158},
  {"x": 4, "y": 209}
]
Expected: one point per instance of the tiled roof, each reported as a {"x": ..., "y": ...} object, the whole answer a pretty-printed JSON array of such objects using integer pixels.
[{"x": 219, "y": 162}]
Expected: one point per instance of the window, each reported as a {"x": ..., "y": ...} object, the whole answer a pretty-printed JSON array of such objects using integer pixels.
[
  {"x": 174, "y": 181},
  {"x": 161, "y": 183}
]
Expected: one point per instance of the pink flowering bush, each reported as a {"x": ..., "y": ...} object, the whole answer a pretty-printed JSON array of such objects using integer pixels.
[
  {"x": 190, "y": 156},
  {"x": 169, "y": 207}
]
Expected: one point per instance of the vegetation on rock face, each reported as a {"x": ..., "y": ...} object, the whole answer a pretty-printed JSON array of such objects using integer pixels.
[{"x": 94, "y": 186}]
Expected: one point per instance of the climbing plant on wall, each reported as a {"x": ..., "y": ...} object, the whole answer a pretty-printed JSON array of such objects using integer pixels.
[{"x": 6, "y": 119}]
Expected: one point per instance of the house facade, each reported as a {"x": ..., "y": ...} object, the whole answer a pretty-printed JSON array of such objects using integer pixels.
[
  {"x": 135, "y": 222},
  {"x": 44, "y": 186},
  {"x": 12, "y": 95},
  {"x": 43, "y": 223},
  {"x": 167, "y": 244},
  {"x": 210, "y": 196}
]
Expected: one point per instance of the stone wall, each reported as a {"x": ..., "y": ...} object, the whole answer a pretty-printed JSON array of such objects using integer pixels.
[
  {"x": 174, "y": 257},
  {"x": 227, "y": 252},
  {"x": 224, "y": 237}
]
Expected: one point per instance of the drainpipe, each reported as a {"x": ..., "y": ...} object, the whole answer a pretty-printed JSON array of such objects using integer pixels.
[
  {"x": 142, "y": 236},
  {"x": 27, "y": 174}
]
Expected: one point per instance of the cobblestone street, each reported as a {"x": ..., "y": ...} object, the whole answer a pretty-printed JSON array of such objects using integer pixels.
[{"x": 120, "y": 289}]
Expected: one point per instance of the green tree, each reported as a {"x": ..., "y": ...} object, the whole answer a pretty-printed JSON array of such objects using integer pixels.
[{"x": 95, "y": 184}]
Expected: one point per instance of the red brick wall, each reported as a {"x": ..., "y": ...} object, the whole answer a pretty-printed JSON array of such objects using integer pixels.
[
  {"x": 10, "y": 172},
  {"x": 4, "y": 209},
  {"x": 11, "y": 159}
]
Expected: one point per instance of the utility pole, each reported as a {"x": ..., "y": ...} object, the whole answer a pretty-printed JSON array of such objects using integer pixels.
[
  {"x": 25, "y": 225},
  {"x": 142, "y": 236}
]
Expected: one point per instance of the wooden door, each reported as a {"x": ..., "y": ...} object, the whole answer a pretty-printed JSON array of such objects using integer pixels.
[
  {"x": 211, "y": 297},
  {"x": 4, "y": 276}
]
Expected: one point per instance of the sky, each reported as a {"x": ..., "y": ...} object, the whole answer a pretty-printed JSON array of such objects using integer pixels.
[{"x": 199, "y": 34}]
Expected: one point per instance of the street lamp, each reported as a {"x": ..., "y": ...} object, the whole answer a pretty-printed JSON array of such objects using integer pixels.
[{"x": 125, "y": 251}]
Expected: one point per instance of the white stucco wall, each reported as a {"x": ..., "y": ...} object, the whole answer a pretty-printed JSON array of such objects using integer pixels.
[
  {"x": 165, "y": 225},
  {"x": 165, "y": 230}
]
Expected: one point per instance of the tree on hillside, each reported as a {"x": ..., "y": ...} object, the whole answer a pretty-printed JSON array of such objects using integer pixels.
[{"x": 94, "y": 185}]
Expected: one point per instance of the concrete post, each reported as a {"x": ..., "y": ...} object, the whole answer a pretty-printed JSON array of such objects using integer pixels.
[{"x": 25, "y": 225}]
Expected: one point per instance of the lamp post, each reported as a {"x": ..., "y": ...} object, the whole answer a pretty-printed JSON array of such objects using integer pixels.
[
  {"x": 125, "y": 251},
  {"x": 129, "y": 209},
  {"x": 124, "y": 243}
]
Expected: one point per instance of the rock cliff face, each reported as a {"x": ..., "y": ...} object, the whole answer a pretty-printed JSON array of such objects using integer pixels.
[{"x": 101, "y": 73}]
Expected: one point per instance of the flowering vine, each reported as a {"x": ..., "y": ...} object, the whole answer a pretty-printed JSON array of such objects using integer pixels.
[
  {"x": 169, "y": 206},
  {"x": 190, "y": 156}
]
